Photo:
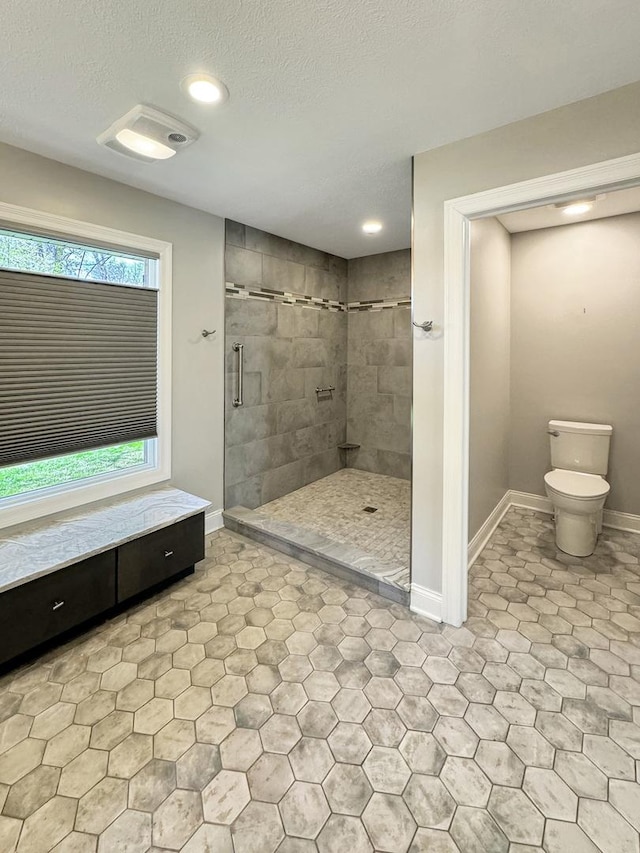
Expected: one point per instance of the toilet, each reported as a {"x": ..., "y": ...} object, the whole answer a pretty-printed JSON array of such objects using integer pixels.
[{"x": 576, "y": 485}]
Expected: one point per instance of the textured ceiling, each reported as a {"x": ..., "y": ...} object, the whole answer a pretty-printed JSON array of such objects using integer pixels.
[{"x": 329, "y": 98}]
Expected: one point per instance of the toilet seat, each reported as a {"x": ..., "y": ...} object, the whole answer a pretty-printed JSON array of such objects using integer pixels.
[{"x": 575, "y": 484}]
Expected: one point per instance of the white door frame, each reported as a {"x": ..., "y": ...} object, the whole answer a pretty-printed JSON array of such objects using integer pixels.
[{"x": 458, "y": 213}]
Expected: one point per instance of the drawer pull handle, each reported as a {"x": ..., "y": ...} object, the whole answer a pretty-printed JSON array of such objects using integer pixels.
[
  {"x": 57, "y": 605},
  {"x": 168, "y": 553}
]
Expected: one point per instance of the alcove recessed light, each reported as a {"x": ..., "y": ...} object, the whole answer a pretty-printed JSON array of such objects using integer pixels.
[
  {"x": 372, "y": 227},
  {"x": 577, "y": 207},
  {"x": 205, "y": 89}
]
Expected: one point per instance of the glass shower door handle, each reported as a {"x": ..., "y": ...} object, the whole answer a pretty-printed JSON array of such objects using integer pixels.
[{"x": 239, "y": 350}]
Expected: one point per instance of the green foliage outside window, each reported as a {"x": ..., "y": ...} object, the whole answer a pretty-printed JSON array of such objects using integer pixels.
[
  {"x": 47, "y": 256},
  {"x": 30, "y": 476}
]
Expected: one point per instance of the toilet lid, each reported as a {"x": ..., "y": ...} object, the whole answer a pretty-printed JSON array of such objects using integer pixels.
[{"x": 577, "y": 484}]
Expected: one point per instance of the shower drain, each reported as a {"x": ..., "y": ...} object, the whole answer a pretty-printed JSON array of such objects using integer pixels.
[{"x": 370, "y": 509}]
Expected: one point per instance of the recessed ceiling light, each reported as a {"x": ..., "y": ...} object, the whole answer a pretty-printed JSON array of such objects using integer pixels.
[
  {"x": 372, "y": 227},
  {"x": 205, "y": 89},
  {"x": 144, "y": 145},
  {"x": 576, "y": 208}
]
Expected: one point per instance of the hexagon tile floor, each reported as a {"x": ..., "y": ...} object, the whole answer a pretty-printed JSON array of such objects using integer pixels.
[{"x": 263, "y": 706}]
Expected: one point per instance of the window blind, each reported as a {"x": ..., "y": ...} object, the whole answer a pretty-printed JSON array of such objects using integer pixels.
[{"x": 78, "y": 365}]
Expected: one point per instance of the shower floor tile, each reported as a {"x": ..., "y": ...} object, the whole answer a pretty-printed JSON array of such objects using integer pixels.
[{"x": 338, "y": 506}]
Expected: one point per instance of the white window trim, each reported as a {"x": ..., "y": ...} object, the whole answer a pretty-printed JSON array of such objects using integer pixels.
[{"x": 36, "y": 504}]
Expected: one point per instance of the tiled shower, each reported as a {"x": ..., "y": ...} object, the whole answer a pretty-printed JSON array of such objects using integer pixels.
[{"x": 325, "y": 420}]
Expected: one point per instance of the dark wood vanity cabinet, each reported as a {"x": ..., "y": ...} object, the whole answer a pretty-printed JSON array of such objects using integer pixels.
[
  {"x": 44, "y": 608},
  {"x": 159, "y": 556},
  {"x": 41, "y": 609}
]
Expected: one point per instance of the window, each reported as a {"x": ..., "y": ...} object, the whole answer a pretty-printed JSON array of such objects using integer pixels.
[
  {"x": 84, "y": 364},
  {"x": 59, "y": 470},
  {"x": 33, "y": 253}
]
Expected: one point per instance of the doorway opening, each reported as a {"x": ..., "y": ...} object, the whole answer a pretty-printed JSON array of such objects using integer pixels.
[{"x": 591, "y": 181}]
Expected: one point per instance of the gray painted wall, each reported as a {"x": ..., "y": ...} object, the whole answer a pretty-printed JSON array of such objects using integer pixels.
[
  {"x": 489, "y": 380},
  {"x": 198, "y": 294},
  {"x": 379, "y": 366},
  {"x": 285, "y": 435},
  {"x": 575, "y": 346}
]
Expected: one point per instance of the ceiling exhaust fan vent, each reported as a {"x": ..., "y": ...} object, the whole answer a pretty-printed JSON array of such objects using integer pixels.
[{"x": 148, "y": 134}]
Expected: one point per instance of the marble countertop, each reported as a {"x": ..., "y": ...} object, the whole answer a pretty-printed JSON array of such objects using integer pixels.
[{"x": 31, "y": 550}]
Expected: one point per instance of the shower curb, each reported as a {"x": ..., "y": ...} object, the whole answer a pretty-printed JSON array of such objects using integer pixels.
[{"x": 344, "y": 561}]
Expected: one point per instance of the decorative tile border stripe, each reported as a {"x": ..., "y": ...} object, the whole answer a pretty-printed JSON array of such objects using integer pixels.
[
  {"x": 267, "y": 294},
  {"x": 378, "y": 304}
]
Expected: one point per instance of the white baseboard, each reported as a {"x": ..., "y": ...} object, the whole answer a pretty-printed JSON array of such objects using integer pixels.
[
  {"x": 426, "y": 602},
  {"x": 484, "y": 534},
  {"x": 538, "y": 503},
  {"x": 213, "y": 521},
  {"x": 611, "y": 517},
  {"x": 621, "y": 521}
]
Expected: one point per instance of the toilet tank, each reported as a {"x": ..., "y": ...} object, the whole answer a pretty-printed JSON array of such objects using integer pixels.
[{"x": 580, "y": 447}]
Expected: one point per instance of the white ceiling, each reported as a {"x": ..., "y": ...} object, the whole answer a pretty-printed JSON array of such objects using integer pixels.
[
  {"x": 548, "y": 216},
  {"x": 329, "y": 98}
]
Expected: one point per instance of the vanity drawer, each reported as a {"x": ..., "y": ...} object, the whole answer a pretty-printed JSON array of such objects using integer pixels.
[
  {"x": 159, "y": 556},
  {"x": 41, "y": 609}
]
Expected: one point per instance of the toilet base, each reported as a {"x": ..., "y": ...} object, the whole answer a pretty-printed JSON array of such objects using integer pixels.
[{"x": 577, "y": 535}]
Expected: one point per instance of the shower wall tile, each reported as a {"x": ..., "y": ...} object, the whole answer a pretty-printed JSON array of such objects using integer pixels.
[
  {"x": 252, "y": 318},
  {"x": 298, "y": 324},
  {"x": 316, "y": 466},
  {"x": 278, "y": 247},
  {"x": 385, "y": 276},
  {"x": 402, "y": 409},
  {"x": 312, "y": 440},
  {"x": 250, "y": 423},
  {"x": 296, "y": 414},
  {"x": 325, "y": 283},
  {"x": 285, "y": 435},
  {"x": 234, "y": 233},
  {"x": 379, "y": 354},
  {"x": 394, "y": 464},
  {"x": 283, "y": 384},
  {"x": 394, "y": 380},
  {"x": 242, "y": 266},
  {"x": 252, "y": 390},
  {"x": 282, "y": 480},
  {"x": 364, "y": 379},
  {"x": 248, "y": 493},
  {"x": 392, "y": 352},
  {"x": 372, "y": 325},
  {"x": 282, "y": 275},
  {"x": 402, "y": 324}
]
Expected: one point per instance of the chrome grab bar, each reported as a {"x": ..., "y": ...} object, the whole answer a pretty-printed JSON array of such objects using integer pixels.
[{"x": 238, "y": 401}]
